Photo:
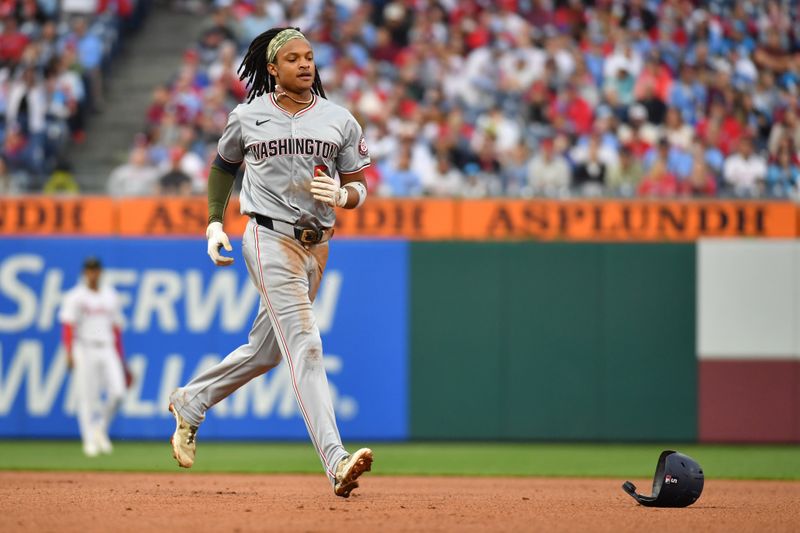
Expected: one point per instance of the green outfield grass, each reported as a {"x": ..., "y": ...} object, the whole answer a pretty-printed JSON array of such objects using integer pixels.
[{"x": 480, "y": 459}]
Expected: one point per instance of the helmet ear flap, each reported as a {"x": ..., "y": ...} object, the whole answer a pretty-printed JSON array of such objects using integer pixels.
[{"x": 678, "y": 482}]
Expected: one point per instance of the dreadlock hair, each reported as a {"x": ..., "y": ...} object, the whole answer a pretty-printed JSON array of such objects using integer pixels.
[{"x": 254, "y": 68}]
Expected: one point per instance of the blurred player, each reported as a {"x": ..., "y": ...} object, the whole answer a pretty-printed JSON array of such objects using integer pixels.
[{"x": 92, "y": 336}]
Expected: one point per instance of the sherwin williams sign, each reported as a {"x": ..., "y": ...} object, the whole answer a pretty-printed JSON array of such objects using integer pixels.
[{"x": 183, "y": 314}]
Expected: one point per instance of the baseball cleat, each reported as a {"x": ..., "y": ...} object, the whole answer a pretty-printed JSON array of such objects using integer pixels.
[
  {"x": 350, "y": 469},
  {"x": 90, "y": 449},
  {"x": 183, "y": 440},
  {"x": 103, "y": 442}
]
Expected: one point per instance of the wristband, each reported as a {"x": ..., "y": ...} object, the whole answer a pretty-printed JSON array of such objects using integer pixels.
[{"x": 361, "y": 191}]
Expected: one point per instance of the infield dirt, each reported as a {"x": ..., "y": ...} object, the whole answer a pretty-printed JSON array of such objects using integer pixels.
[{"x": 189, "y": 502}]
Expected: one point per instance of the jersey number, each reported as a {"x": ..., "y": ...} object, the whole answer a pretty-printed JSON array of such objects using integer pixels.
[{"x": 321, "y": 168}]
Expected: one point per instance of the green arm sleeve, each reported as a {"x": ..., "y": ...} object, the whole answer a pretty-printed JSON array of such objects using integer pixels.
[{"x": 220, "y": 184}]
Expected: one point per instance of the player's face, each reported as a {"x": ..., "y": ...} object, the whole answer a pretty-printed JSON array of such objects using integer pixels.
[
  {"x": 92, "y": 276},
  {"x": 294, "y": 66}
]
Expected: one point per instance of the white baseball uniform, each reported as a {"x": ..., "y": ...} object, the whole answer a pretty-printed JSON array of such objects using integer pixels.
[
  {"x": 97, "y": 366},
  {"x": 281, "y": 152}
]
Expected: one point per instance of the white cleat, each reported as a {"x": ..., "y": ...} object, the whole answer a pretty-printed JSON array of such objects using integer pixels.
[
  {"x": 103, "y": 442},
  {"x": 350, "y": 469},
  {"x": 90, "y": 449},
  {"x": 183, "y": 440}
]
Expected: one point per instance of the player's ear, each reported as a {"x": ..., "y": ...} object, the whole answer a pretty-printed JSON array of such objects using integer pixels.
[{"x": 272, "y": 69}]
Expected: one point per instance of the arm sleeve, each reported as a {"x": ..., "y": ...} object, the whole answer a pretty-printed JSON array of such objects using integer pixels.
[
  {"x": 66, "y": 336},
  {"x": 354, "y": 155},
  {"x": 118, "y": 343},
  {"x": 220, "y": 184},
  {"x": 231, "y": 144}
]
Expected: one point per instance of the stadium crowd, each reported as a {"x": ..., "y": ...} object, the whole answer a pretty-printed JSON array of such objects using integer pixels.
[
  {"x": 554, "y": 98},
  {"x": 54, "y": 56}
]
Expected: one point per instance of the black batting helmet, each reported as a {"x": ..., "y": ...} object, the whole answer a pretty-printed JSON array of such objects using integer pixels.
[{"x": 678, "y": 482}]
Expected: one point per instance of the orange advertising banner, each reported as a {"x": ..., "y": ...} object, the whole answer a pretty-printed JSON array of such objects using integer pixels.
[
  {"x": 377, "y": 218},
  {"x": 174, "y": 216},
  {"x": 46, "y": 215},
  {"x": 412, "y": 219},
  {"x": 422, "y": 219},
  {"x": 631, "y": 220}
]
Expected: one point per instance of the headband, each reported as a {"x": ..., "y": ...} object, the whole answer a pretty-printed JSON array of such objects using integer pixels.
[{"x": 281, "y": 39}]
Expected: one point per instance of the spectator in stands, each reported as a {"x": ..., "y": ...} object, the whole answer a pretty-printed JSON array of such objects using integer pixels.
[
  {"x": 61, "y": 181},
  {"x": 589, "y": 176},
  {"x": 656, "y": 108},
  {"x": 788, "y": 127},
  {"x": 175, "y": 182},
  {"x": 445, "y": 180},
  {"x": 625, "y": 176},
  {"x": 12, "y": 42},
  {"x": 638, "y": 134},
  {"x": 783, "y": 175},
  {"x": 89, "y": 49},
  {"x": 398, "y": 177},
  {"x": 659, "y": 182},
  {"x": 688, "y": 94},
  {"x": 678, "y": 161},
  {"x": 625, "y": 60},
  {"x": 137, "y": 177},
  {"x": 570, "y": 105},
  {"x": 48, "y": 44},
  {"x": 745, "y": 171},
  {"x": 265, "y": 14},
  {"x": 222, "y": 28},
  {"x": 701, "y": 181},
  {"x": 59, "y": 108},
  {"x": 548, "y": 172},
  {"x": 475, "y": 182},
  {"x": 27, "y": 109},
  {"x": 19, "y": 158},
  {"x": 158, "y": 105},
  {"x": 514, "y": 169},
  {"x": 72, "y": 85},
  {"x": 677, "y": 132}
]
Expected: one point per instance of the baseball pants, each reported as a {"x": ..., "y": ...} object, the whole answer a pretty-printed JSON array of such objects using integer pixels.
[
  {"x": 287, "y": 275},
  {"x": 97, "y": 371}
]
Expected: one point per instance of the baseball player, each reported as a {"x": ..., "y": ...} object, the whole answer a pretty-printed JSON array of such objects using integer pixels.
[
  {"x": 292, "y": 140},
  {"x": 92, "y": 335}
]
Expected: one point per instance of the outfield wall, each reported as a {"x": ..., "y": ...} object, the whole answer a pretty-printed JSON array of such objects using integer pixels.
[
  {"x": 436, "y": 339},
  {"x": 553, "y": 341}
]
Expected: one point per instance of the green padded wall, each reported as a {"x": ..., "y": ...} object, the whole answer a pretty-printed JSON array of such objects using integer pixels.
[{"x": 552, "y": 341}]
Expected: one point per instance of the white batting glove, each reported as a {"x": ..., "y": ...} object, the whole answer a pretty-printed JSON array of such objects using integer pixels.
[
  {"x": 216, "y": 239},
  {"x": 325, "y": 189}
]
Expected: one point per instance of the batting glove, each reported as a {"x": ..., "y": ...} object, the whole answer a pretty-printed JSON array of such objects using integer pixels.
[
  {"x": 218, "y": 239},
  {"x": 325, "y": 189}
]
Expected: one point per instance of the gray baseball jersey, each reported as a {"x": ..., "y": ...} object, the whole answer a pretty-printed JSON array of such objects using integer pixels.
[{"x": 281, "y": 152}]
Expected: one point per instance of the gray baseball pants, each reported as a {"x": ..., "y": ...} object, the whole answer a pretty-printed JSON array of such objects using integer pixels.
[{"x": 287, "y": 274}]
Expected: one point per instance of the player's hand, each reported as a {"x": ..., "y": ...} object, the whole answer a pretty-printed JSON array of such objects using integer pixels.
[
  {"x": 70, "y": 362},
  {"x": 218, "y": 239},
  {"x": 325, "y": 190},
  {"x": 128, "y": 376}
]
